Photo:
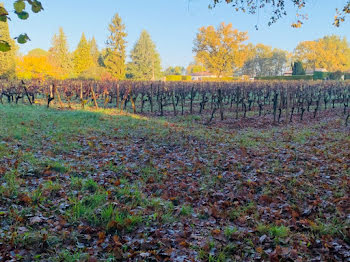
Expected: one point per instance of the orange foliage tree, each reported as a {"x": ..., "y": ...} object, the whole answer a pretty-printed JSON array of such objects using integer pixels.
[
  {"x": 220, "y": 50},
  {"x": 35, "y": 67},
  {"x": 329, "y": 52}
]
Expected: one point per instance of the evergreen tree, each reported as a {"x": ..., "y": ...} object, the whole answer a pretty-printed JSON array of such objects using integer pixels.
[
  {"x": 94, "y": 51},
  {"x": 102, "y": 57},
  {"x": 82, "y": 56},
  {"x": 114, "y": 59},
  {"x": 298, "y": 68},
  {"x": 7, "y": 59},
  {"x": 145, "y": 60},
  {"x": 59, "y": 55}
]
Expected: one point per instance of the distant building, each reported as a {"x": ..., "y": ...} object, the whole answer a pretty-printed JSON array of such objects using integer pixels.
[
  {"x": 288, "y": 73},
  {"x": 311, "y": 72},
  {"x": 200, "y": 75}
]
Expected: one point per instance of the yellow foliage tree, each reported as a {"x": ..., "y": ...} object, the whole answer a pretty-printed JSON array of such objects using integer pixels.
[
  {"x": 329, "y": 52},
  {"x": 220, "y": 50},
  {"x": 35, "y": 67},
  {"x": 83, "y": 59},
  {"x": 334, "y": 53},
  {"x": 195, "y": 68},
  {"x": 307, "y": 53}
]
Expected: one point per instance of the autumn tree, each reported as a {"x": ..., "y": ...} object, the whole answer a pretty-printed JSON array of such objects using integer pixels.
[
  {"x": 38, "y": 52},
  {"x": 195, "y": 67},
  {"x": 114, "y": 59},
  {"x": 176, "y": 70},
  {"x": 35, "y": 67},
  {"x": 265, "y": 61},
  {"x": 334, "y": 53},
  {"x": 220, "y": 50},
  {"x": 307, "y": 53},
  {"x": 7, "y": 59},
  {"x": 330, "y": 52},
  {"x": 145, "y": 60},
  {"x": 36, "y": 64},
  {"x": 83, "y": 59},
  {"x": 192, "y": 69},
  {"x": 60, "y": 56}
]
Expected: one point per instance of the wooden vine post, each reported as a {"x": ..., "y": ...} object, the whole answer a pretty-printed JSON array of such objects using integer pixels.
[
  {"x": 26, "y": 92},
  {"x": 132, "y": 99},
  {"x": 51, "y": 95},
  {"x": 117, "y": 95},
  {"x": 59, "y": 97},
  {"x": 287, "y": 105},
  {"x": 81, "y": 95},
  {"x": 94, "y": 95}
]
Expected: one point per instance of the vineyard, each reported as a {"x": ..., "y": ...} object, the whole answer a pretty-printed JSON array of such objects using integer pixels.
[
  {"x": 202, "y": 172},
  {"x": 281, "y": 101},
  {"x": 122, "y": 144}
]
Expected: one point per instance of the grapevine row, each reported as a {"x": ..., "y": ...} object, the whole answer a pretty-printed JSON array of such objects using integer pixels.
[{"x": 282, "y": 100}]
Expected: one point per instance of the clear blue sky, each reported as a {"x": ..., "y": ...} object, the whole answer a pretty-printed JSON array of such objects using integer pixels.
[{"x": 172, "y": 24}]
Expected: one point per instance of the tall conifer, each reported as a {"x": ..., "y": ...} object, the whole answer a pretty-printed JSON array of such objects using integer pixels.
[
  {"x": 82, "y": 56},
  {"x": 59, "y": 55},
  {"x": 145, "y": 60},
  {"x": 115, "y": 51},
  {"x": 94, "y": 51}
]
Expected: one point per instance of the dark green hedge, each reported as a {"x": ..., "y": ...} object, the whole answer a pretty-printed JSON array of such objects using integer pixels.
[
  {"x": 336, "y": 75},
  {"x": 296, "y": 77},
  {"x": 321, "y": 75},
  {"x": 316, "y": 76}
]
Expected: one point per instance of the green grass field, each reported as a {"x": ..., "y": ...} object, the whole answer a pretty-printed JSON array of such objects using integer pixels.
[{"x": 108, "y": 186}]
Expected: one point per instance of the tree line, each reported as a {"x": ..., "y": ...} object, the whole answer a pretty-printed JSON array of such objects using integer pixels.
[
  {"x": 222, "y": 51},
  {"x": 86, "y": 61}
]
